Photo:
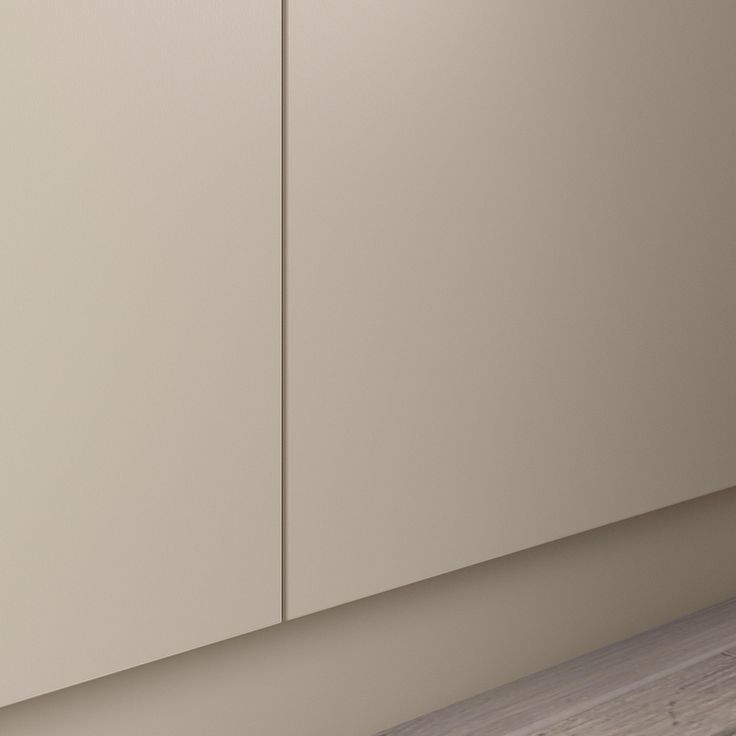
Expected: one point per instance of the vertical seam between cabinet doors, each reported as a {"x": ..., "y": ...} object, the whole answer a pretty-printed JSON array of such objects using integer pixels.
[{"x": 283, "y": 309}]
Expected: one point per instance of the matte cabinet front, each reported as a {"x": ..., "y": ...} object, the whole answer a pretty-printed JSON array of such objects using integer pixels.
[
  {"x": 140, "y": 330},
  {"x": 511, "y": 257}
]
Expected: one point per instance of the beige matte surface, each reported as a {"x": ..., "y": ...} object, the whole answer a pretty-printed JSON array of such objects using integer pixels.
[
  {"x": 510, "y": 277},
  {"x": 139, "y": 330},
  {"x": 356, "y": 669},
  {"x": 607, "y": 681}
]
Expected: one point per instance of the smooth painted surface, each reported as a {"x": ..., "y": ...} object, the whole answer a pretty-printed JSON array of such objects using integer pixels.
[
  {"x": 356, "y": 669},
  {"x": 510, "y": 272},
  {"x": 601, "y": 685},
  {"x": 140, "y": 331}
]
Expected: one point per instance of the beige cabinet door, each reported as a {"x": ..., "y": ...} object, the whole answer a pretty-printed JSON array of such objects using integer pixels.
[
  {"x": 511, "y": 277},
  {"x": 139, "y": 332}
]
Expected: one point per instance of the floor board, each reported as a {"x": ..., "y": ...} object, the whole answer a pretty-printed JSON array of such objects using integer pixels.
[{"x": 700, "y": 699}]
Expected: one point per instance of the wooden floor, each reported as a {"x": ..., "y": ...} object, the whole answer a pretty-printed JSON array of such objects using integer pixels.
[{"x": 677, "y": 679}]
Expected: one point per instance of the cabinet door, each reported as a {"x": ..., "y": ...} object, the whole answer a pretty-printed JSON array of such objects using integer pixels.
[
  {"x": 511, "y": 264},
  {"x": 140, "y": 332}
]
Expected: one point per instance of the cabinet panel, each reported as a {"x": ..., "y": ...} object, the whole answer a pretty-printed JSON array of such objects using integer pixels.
[
  {"x": 140, "y": 326},
  {"x": 510, "y": 277}
]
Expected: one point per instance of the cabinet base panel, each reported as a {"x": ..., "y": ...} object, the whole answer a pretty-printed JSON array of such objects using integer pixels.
[{"x": 365, "y": 666}]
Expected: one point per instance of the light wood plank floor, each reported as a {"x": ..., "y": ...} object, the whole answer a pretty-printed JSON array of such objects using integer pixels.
[{"x": 677, "y": 679}]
